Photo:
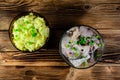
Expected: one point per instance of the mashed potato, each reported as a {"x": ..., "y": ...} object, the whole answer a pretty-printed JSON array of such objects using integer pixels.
[{"x": 30, "y": 32}]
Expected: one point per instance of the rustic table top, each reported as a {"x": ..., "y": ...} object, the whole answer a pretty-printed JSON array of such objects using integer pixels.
[{"x": 46, "y": 64}]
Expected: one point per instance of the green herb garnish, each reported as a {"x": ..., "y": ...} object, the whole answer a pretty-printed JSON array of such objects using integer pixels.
[
  {"x": 16, "y": 37},
  {"x": 97, "y": 36},
  {"x": 70, "y": 42},
  {"x": 84, "y": 56},
  {"x": 89, "y": 37},
  {"x": 82, "y": 41},
  {"x": 67, "y": 46},
  {"x": 84, "y": 64},
  {"x": 91, "y": 43},
  {"x": 27, "y": 22},
  {"x": 96, "y": 55},
  {"x": 34, "y": 34},
  {"x": 16, "y": 30},
  {"x": 77, "y": 54},
  {"x": 77, "y": 42},
  {"x": 74, "y": 49},
  {"x": 99, "y": 45},
  {"x": 30, "y": 43}
]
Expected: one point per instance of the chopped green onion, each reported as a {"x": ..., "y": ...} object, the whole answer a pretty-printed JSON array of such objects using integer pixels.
[
  {"x": 96, "y": 55},
  {"x": 27, "y": 22},
  {"x": 82, "y": 41},
  {"x": 30, "y": 43},
  {"x": 25, "y": 28},
  {"x": 77, "y": 42},
  {"x": 67, "y": 46},
  {"x": 34, "y": 34},
  {"x": 97, "y": 36},
  {"x": 89, "y": 37},
  {"x": 70, "y": 41},
  {"x": 99, "y": 45},
  {"x": 74, "y": 49},
  {"x": 16, "y": 30},
  {"x": 76, "y": 54},
  {"x": 16, "y": 37},
  {"x": 84, "y": 56},
  {"x": 84, "y": 64},
  {"x": 91, "y": 43}
]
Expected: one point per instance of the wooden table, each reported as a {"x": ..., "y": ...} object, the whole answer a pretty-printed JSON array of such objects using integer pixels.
[{"x": 46, "y": 64}]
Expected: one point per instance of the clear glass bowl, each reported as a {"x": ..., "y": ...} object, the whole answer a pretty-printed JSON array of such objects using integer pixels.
[{"x": 90, "y": 64}]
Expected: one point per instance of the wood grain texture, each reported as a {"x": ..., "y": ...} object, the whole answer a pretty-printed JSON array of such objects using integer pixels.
[
  {"x": 33, "y": 73},
  {"x": 99, "y": 15},
  {"x": 51, "y": 53},
  {"x": 59, "y": 73},
  {"x": 108, "y": 35},
  {"x": 103, "y": 15}
]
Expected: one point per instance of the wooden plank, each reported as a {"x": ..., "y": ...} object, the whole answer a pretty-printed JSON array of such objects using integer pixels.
[
  {"x": 44, "y": 63},
  {"x": 59, "y": 73},
  {"x": 47, "y": 58},
  {"x": 69, "y": 12},
  {"x": 111, "y": 38},
  {"x": 33, "y": 73},
  {"x": 48, "y": 3},
  {"x": 50, "y": 54},
  {"x": 97, "y": 21},
  {"x": 94, "y": 74},
  {"x": 86, "y": 1}
]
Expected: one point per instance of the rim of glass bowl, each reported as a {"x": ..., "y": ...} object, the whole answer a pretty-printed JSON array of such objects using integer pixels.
[{"x": 67, "y": 61}]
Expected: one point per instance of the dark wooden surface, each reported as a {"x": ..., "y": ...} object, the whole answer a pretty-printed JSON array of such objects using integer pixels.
[{"x": 46, "y": 64}]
